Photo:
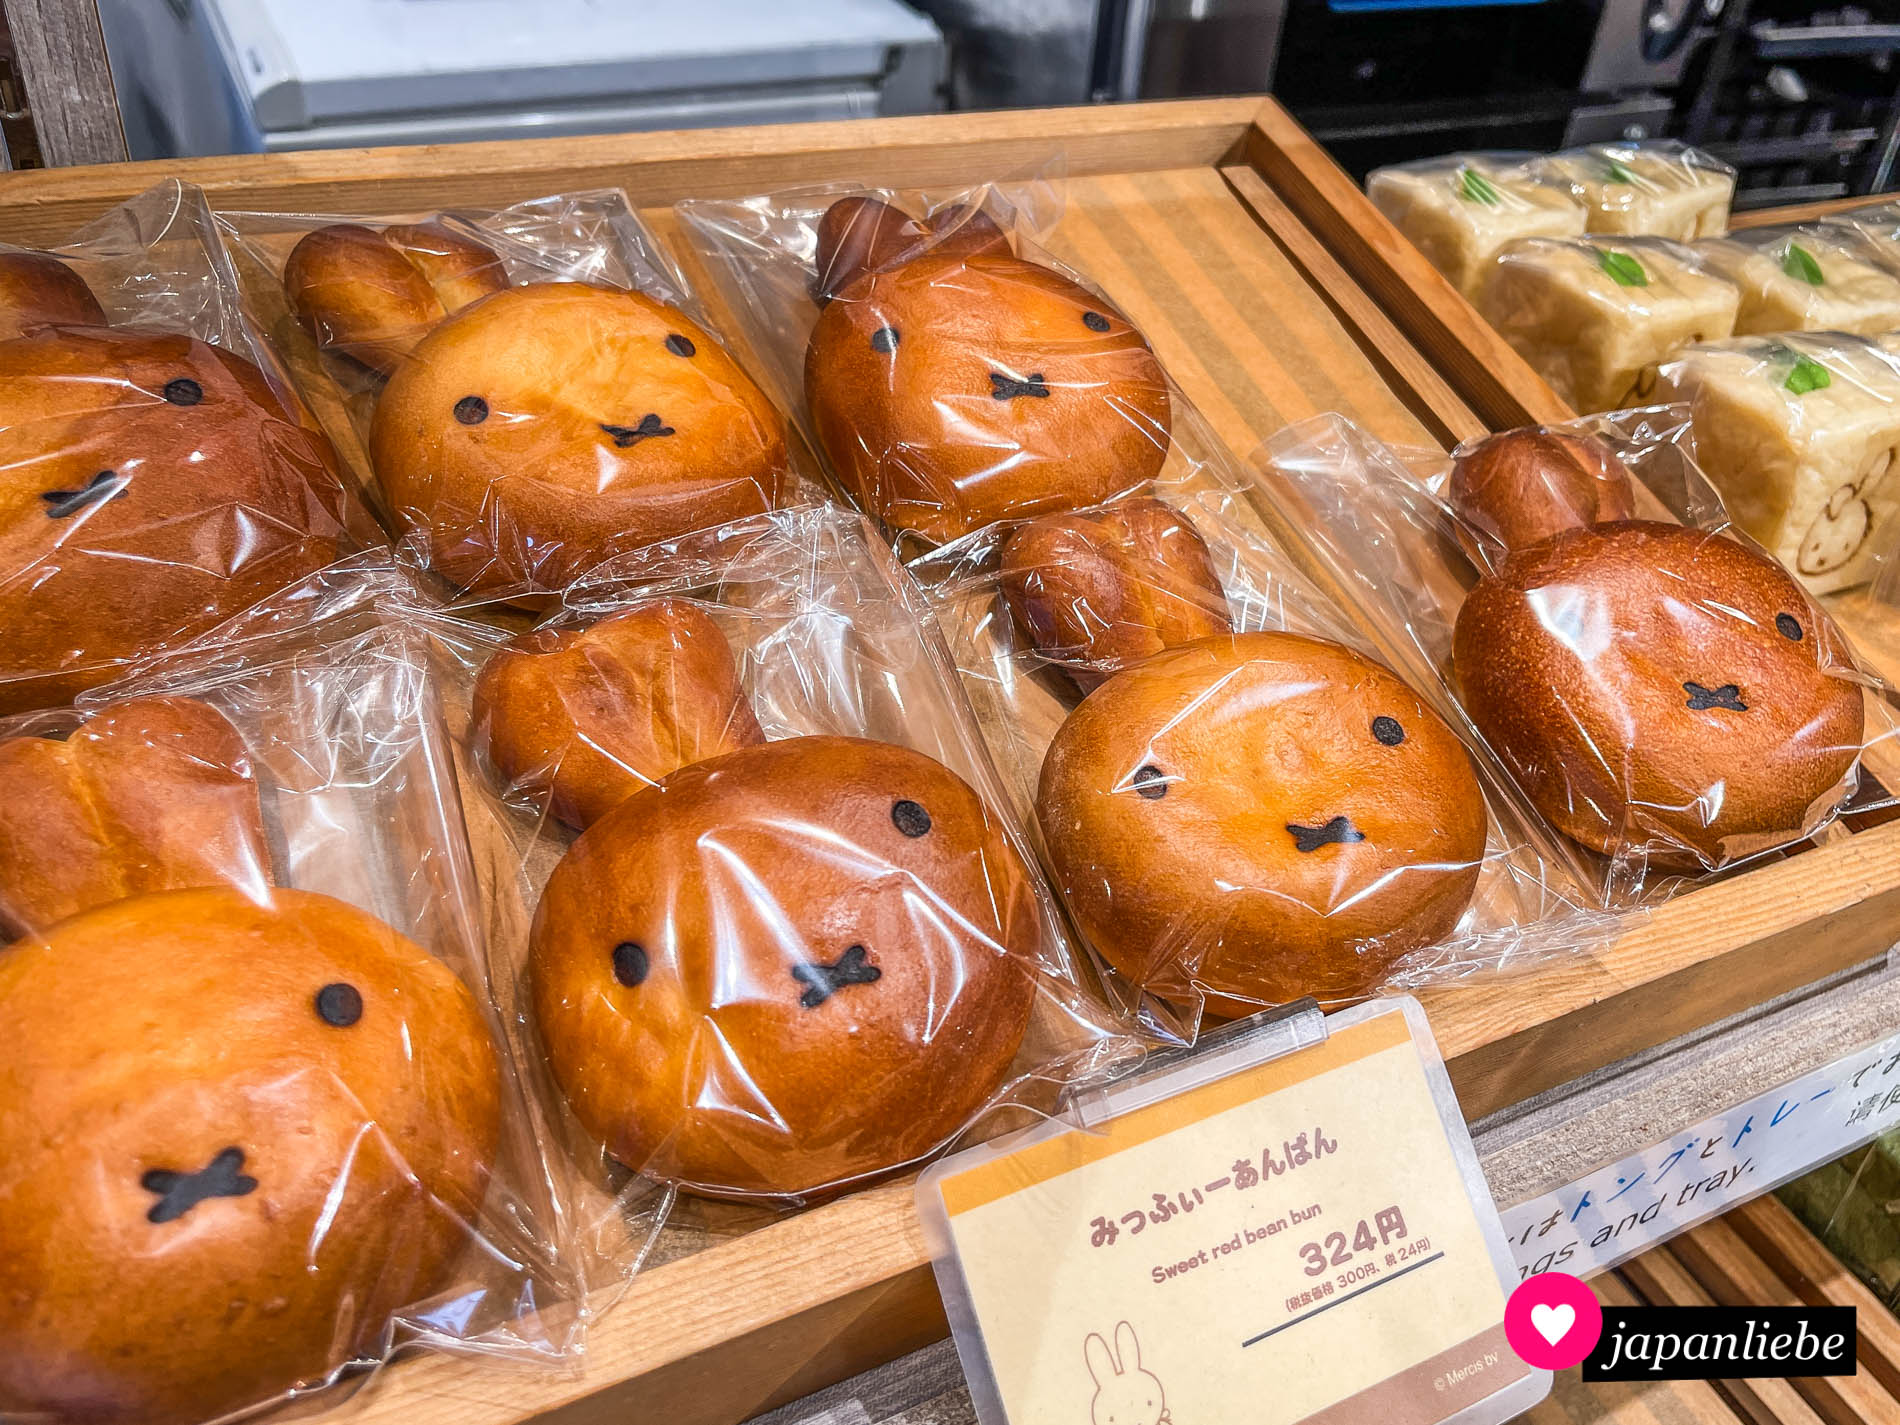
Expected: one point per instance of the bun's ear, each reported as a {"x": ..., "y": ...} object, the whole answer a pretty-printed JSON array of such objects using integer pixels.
[
  {"x": 859, "y": 235},
  {"x": 371, "y": 296},
  {"x": 856, "y": 236},
  {"x": 1127, "y": 1348},
  {"x": 1101, "y": 1361},
  {"x": 38, "y": 291}
]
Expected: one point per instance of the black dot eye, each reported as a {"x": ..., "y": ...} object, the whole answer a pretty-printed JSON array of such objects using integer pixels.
[
  {"x": 1151, "y": 782},
  {"x": 630, "y": 964},
  {"x": 910, "y": 819},
  {"x": 471, "y": 410},
  {"x": 1388, "y": 731},
  {"x": 184, "y": 392},
  {"x": 339, "y": 1005},
  {"x": 1789, "y": 627},
  {"x": 884, "y": 339},
  {"x": 679, "y": 345},
  {"x": 1095, "y": 321}
]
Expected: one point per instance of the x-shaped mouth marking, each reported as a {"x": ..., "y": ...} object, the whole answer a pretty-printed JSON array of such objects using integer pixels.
[
  {"x": 178, "y": 1193},
  {"x": 106, "y": 485},
  {"x": 624, "y": 436},
  {"x": 1727, "y": 696},
  {"x": 822, "y": 981},
  {"x": 1310, "y": 838},
  {"x": 1007, "y": 388}
]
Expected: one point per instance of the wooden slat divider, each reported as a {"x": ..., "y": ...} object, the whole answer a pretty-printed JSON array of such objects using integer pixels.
[
  {"x": 1800, "y": 1259},
  {"x": 1660, "y": 1280},
  {"x": 1731, "y": 1272}
]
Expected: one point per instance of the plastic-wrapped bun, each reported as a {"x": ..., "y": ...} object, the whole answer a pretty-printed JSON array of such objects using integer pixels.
[
  {"x": 1520, "y": 486},
  {"x": 151, "y": 485},
  {"x": 1664, "y": 189},
  {"x": 592, "y": 715},
  {"x": 1095, "y": 591},
  {"x": 234, "y": 1138},
  {"x": 37, "y": 290},
  {"x": 1805, "y": 279},
  {"x": 1260, "y": 816},
  {"x": 955, "y": 385},
  {"x": 372, "y": 295},
  {"x": 786, "y": 968},
  {"x": 1462, "y": 210},
  {"x": 1801, "y": 434},
  {"x": 151, "y": 794},
  {"x": 1595, "y": 316},
  {"x": 1661, "y": 690}
]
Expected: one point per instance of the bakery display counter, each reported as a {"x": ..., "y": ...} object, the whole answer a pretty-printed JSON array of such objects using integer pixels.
[{"x": 1272, "y": 291}]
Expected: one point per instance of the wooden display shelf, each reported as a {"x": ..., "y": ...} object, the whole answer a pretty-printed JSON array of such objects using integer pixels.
[{"x": 1232, "y": 240}]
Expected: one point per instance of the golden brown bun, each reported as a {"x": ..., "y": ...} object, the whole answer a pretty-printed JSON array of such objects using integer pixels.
[
  {"x": 535, "y": 431},
  {"x": 954, "y": 391},
  {"x": 595, "y": 714},
  {"x": 215, "y": 1183},
  {"x": 1258, "y": 817},
  {"x": 1099, "y": 592},
  {"x": 37, "y": 291},
  {"x": 1575, "y": 660},
  {"x": 460, "y": 269},
  {"x": 150, "y": 487},
  {"x": 860, "y": 235},
  {"x": 678, "y": 961},
  {"x": 372, "y": 296},
  {"x": 1525, "y": 485},
  {"x": 152, "y": 794}
]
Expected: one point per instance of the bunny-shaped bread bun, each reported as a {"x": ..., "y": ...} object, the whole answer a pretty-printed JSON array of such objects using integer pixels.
[
  {"x": 1125, "y": 1394},
  {"x": 151, "y": 486},
  {"x": 953, "y": 384},
  {"x": 526, "y": 432}
]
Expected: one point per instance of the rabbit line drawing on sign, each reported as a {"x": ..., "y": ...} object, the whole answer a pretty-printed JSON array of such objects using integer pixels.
[{"x": 1125, "y": 1394}]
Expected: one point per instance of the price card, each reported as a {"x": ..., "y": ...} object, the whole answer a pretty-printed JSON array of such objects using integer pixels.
[{"x": 1287, "y": 1224}]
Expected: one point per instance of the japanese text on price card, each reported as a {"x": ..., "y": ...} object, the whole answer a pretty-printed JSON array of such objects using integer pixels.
[{"x": 1296, "y": 1241}]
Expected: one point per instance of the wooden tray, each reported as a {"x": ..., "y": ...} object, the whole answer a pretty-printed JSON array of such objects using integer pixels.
[{"x": 1217, "y": 225}]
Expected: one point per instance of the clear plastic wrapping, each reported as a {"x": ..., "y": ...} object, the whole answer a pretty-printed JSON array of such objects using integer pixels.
[
  {"x": 801, "y": 942},
  {"x": 1800, "y": 433},
  {"x": 526, "y": 390},
  {"x": 160, "y": 475},
  {"x": 1199, "y": 885},
  {"x": 1662, "y": 188},
  {"x": 949, "y": 370},
  {"x": 1819, "y": 277},
  {"x": 260, "y": 1124},
  {"x": 1595, "y": 316},
  {"x": 1877, "y": 226},
  {"x": 1666, "y": 696},
  {"x": 1461, "y": 210},
  {"x": 1238, "y": 802}
]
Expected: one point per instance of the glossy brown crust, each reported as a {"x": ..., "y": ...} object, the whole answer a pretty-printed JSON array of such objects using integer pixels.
[
  {"x": 1524, "y": 485},
  {"x": 1203, "y": 889},
  {"x": 152, "y": 794},
  {"x": 939, "y": 430},
  {"x": 552, "y": 470},
  {"x": 372, "y": 295},
  {"x": 1573, "y": 660},
  {"x": 460, "y": 269},
  {"x": 1098, "y": 592},
  {"x": 730, "y": 878},
  {"x": 859, "y": 235},
  {"x": 592, "y": 715},
  {"x": 130, "y": 519},
  {"x": 153, "y": 1035},
  {"x": 37, "y": 291}
]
